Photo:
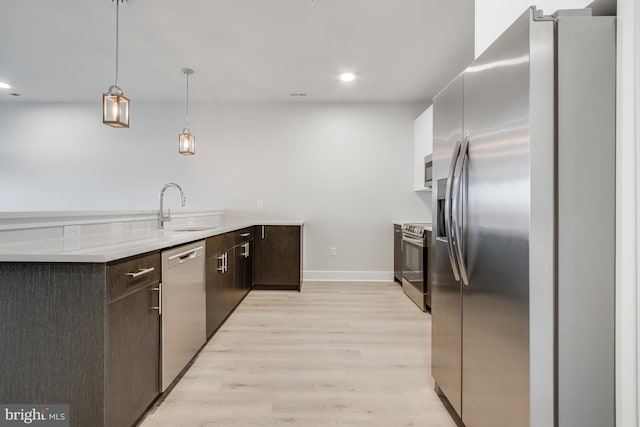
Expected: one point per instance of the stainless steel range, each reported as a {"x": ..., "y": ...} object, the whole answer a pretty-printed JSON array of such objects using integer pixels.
[{"x": 416, "y": 283}]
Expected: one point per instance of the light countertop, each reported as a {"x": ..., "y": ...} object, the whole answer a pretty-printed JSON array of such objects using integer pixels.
[{"x": 110, "y": 246}]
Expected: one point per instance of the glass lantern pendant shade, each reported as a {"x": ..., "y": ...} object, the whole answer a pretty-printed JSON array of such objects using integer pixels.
[
  {"x": 186, "y": 140},
  {"x": 115, "y": 106}
]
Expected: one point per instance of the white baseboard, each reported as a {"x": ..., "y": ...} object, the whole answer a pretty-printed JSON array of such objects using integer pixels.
[{"x": 347, "y": 276}]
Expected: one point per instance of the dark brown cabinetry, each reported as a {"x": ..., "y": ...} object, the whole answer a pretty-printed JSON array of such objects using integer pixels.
[
  {"x": 219, "y": 280},
  {"x": 88, "y": 334},
  {"x": 242, "y": 273},
  {"x": 397, "y": 253},
  {"x": 133, "y": 349},
  {"x": 278, "y": 255},
  {"x": 228, "y": 274}
]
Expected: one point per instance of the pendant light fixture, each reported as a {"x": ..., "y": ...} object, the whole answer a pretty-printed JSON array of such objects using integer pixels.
[
  {"x": 186, "y": 140},
  {"x": 115, "y": 106}
]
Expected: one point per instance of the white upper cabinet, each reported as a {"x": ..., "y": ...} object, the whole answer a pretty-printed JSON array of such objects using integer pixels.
[{"x": 422, "y": 146}]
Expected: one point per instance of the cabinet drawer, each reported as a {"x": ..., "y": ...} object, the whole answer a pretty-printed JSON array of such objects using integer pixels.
[
  {"x": 217, "y": 244},
  {"x": 132, "y": 273},
  {"x": 241, "y": 236}
]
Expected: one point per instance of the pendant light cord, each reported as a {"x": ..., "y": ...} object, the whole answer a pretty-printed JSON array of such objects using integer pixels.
[
  {"x": 117, "y": 32},
  {"x": 187, "y": 100}
]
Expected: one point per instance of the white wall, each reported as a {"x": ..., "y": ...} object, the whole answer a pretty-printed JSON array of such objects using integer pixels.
[
  {"x": 495, "y": 16},
  {"x": 627, "y": 220},
  {"x": 346, "y": 169}
]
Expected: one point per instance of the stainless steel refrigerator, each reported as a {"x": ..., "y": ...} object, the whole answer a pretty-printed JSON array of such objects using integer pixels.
[{"x": 523, "y": 255}]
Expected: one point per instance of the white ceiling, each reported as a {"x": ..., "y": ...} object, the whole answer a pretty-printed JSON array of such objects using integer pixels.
[{"x": 241, "y": 50}]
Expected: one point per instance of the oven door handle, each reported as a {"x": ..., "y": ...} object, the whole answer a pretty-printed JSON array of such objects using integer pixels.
[{"x": 413, "y": 240}]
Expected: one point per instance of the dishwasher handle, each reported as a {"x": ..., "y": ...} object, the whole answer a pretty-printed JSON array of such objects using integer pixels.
[{"x": 187, "y": 255}]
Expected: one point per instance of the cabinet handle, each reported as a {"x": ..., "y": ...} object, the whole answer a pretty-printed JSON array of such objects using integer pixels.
[
  {"x": 142, "y": 272},
  {"x": 221, "y": 258},
  {"x": 226, "y": 262},
  {"x": 159, "y": 307},
  {"x": 245, "y": 246},
  {"x": 245, "y": 235},
  {"x": 263, "y": 232}
]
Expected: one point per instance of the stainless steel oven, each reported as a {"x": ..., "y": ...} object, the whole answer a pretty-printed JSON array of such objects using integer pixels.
[{"x": 416, "y": 239}]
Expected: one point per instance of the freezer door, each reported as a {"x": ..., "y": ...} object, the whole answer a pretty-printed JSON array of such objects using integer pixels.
[
  {"x": 496, "y": 201},
  {"x": 446, "y": 302}
]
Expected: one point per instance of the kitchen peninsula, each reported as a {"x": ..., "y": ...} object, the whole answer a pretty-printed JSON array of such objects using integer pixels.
[{"x": 81, "y": 304}]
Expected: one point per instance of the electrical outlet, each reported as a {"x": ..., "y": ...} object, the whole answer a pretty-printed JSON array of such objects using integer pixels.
[
  {"x": 332, "y": 251},
  {"x": 72, "y": 238},
  {"x": 259, "y": 204},
  {"x": 71, "y": 231},
  {"x": 116, "y": 234}
]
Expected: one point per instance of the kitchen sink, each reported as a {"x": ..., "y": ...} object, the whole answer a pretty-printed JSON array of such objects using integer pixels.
[{"x": 188, "y": 229}]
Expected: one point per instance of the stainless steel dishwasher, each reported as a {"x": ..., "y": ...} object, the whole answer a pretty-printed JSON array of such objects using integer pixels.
[{"x": 183, "y": 311}]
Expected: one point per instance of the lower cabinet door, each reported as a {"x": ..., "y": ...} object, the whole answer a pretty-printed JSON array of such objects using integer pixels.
[
  {"x": 133, "y": 356},
  {"x": 242, "y": 275},
  {"x": 220, "y": 289},
  {"x": 214, "y": 281},
  {"x": 230, "y": 294},
  {"x": 276, "y": 264},
  {"x": 397, "y": 253},
  {"x": 248, "y": 269}
]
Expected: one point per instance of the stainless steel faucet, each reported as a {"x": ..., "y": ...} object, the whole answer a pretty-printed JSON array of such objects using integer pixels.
[{"x": 161, "y": 217}]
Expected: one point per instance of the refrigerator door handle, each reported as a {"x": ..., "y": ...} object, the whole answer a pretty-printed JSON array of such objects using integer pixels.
[
  {"x": 447, "y": 211},
  {"x": 459, "y": 206}
]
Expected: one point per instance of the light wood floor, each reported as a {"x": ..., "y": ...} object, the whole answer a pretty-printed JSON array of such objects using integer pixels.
[{"x": 336, "y": 354}]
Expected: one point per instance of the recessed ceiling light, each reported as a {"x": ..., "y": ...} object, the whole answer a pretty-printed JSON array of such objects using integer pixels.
[
  {"x": 4, "y": 85},
  {"x": 347, "y": 77}
]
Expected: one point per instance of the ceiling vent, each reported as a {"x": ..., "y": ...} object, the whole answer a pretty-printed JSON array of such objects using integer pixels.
[{"x": 298, "y": 94}]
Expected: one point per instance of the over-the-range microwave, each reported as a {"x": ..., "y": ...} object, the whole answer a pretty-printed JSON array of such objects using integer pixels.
[{"x": 428, "y": 171}]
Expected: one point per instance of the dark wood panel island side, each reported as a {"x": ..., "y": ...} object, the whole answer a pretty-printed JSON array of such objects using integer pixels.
[
  {"x": 68, "y": 331},
  {"x": 52, "y": 329}
]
